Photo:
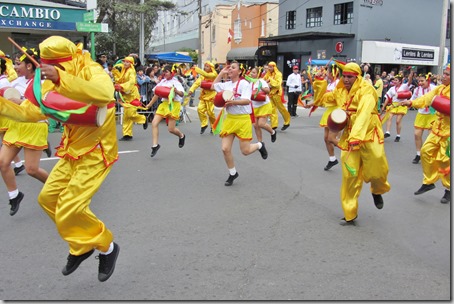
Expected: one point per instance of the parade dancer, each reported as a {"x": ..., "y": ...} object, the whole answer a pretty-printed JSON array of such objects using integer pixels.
[
  {"x": 392, "y": 96},
  {"x": 126, "y": 85},
  {"x": 86, "y": 152},
  {"x": 434, "y": 159},
  {"x": 262, "y": 109},
  {"x": 425, "y": 116},
  {"x": 205, "y": 108},
  {"x": 363, "y": 152},
  {"x": 30, "y": 136},
  {"x": 238, "y": 121},
  {"x": 167, "y": 109},
  {"x": 274, "y": 79}
]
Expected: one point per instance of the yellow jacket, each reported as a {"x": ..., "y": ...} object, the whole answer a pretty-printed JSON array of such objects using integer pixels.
[
  {"x": 87, "y": 83},
  {"x": 204, "y": 94},
  {"x": 275, "y": 82},
  {"x": 442, "y": 123},
  {"x": 128, "y": 81},
  {"x": 361, "y": 106}
]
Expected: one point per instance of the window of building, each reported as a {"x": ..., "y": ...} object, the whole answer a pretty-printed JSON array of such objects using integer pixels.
[
  {"x": 343, "y": 13},
  {"x": 314, "y": 17},
  {"x": 237, "y": 35},
  {"x": 290, "y": 20}
]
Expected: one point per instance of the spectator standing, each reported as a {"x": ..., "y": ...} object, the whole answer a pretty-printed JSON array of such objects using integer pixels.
[{"x": 294, "y": 90}]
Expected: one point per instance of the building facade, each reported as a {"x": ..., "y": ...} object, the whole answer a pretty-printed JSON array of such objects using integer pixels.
[{"x": 389, "y": 34}]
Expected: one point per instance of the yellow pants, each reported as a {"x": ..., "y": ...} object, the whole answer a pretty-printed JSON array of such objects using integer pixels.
[
  {"x": 130, "y": 116},
  {"x": 371, "y": 166},
  {"x": 278, "y": 105},
  {"x": 433, "y": 158},
  {"x": 66, "y": 198},
  {"x": 204, "y": 109}
]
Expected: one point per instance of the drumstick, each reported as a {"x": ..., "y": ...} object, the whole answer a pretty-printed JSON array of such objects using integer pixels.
[{"x": 23, "y": 51}]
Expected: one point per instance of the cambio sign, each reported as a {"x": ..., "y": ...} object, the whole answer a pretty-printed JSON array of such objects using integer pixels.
[{"x": 32, "y": 17}]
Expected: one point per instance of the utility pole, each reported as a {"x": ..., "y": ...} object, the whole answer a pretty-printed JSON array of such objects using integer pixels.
[
  {"x": 441, "y": 53},
  {"x": 141, "y": 38},
  {"x": 199, "y": 3}
]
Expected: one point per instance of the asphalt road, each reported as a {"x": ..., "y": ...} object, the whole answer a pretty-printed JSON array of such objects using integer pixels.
[{"x": 273, "y": 235}]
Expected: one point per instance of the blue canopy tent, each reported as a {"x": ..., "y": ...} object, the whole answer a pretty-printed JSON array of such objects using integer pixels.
[{"x": 169, "y": 57}]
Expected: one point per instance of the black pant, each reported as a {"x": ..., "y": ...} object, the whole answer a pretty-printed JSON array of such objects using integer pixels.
[{"x": 292, "y": 102}]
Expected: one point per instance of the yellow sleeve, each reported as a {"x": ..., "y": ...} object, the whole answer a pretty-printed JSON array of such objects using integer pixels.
[
  {"x": 91, "y": 86},
  {"x": 366, "y": 106},
  {"x": 426, "y": 99},
  {"x": 276, "y": 81},
  {"x": 210, "y": 76},
  {"x": 26, "y": 111},
  {"x": 196, "y": 84}
]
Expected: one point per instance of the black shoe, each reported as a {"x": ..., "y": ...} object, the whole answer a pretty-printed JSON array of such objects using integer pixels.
[
  {"x": 273, "y": 137},
  {"x": 416, "y": 160},
  {"x": 378, "y": 200},
  {"x": 425, "y": 188},
  {"x": 126, "y": 138},
  {"x": 230, "y": 180},
  {"x": 387, "y": 135},
  {"x": 181, "y": 141},
  {"x": 74, "y": 262},
  {"x": 348, "y": 223},
  {"x": 15, "y": 203},
  {"x": 446, "y": 198},
  {"x": 154, "y": 150},
  {"x": 202, "y": 129},
  {"x": 145, "y": 125},
  {"x": 18, "y": 170},
  {"x": 107, "y": 263},
  {"x": 211, "y": 130},
  {"x": 397, "y": 139},
  {"x": 48, "y": 150},
  {"x": 263, "y": 151},
  {"x": 284, "y": 127},
  {"x": 274, "y": 128},
  {"x": 330, "y": 164}
]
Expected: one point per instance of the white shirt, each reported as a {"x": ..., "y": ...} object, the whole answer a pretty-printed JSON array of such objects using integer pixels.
[
  {"x": 292, "y": 81},
  {"x": 392, "y": 93},
  {"x": 418, "y": 92},
  {"x": 20, "y": 84},
  {"x": 258, "y": 104},
  {"x": 171, "y": 83},
  {"x": 241, "y": 90}
]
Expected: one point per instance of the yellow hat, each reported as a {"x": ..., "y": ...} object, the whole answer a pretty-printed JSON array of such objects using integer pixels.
[
  {"x": 209, "y": 63},
  {"x": 351, "y": 68},
  {"x": 129, "y": 59},
  {"x": 56, "y": 49},
  {"x": 272, "y": 63}
]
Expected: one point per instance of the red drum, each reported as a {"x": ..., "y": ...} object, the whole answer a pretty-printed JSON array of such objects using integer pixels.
[
  {"x": 218, "y": 100},
  {"x": 136, "y": 103},
  {"x": 162, "y": 91},
  {"x": 206, "y": 84},
  {"x": 337, "y": 120},
  {"x": 404, "y": 95},
  {"x": 261, "y": 96},
  {"x": 9, "y": 93},
  {"x": 442, "y": 105}
]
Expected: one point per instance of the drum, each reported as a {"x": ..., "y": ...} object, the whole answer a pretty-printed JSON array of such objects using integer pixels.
[
  {"x": 404, "y": 95},
  {"x": 442, "y": 104},
  {"x": 337, "y": 120},
  {"x": 136, "y": 103},
  {"x": 261, "y": 96},
  {"x": 162, "y": 91},
  {"x": 222, "y": 97},
  {"x": 10, "y": 92},
  {"x": 206, "y": 84}
]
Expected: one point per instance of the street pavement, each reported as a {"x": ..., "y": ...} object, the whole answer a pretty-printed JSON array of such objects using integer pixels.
[{"x": 273, "y": 235}]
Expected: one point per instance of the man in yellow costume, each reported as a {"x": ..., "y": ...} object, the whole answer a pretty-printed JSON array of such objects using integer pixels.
[
  {"x": 363, "y": 152},
  {"x": 274, "y": 79},
  {"x": 12, "y": 75},
  {"x": 434, "y": 159},
  {"x": 205, "y": 109},
  {"x": 126, "y": 85},
  {"x": 86, "y": 152}
]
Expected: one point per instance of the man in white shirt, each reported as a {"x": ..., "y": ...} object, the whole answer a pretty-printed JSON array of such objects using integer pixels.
[{"x": 294, "y": 90}]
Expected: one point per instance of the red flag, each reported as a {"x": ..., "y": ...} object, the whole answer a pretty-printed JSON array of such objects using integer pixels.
[{"x": 230, "y": 36}]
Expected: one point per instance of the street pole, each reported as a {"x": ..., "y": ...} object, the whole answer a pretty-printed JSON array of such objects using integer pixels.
[
  {"x": 92, "y": 46},
  {"x": 441, "y": 53},
  {"x": 141, "y": 39},
  {"x": 199, "y": 3}
]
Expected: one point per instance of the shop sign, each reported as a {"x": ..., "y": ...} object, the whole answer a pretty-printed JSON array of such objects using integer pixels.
[{"x": 417, "y": 54}]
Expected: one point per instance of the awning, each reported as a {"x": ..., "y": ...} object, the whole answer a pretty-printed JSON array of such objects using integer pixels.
[
  {"x": 169, "y": 57},
  {"x": 307, "y": 36},
  {"x": 246, "y": 53}
]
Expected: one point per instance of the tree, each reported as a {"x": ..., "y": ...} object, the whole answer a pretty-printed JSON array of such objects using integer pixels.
[
  {"x": 123, "y": 17},
  {"x": 194, "y": 55}
]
